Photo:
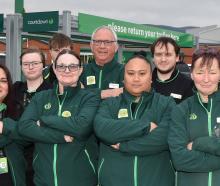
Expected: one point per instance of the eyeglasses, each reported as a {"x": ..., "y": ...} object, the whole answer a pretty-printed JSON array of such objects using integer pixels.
[
  {"x": 71, "y": 68},
  {"x": 34, "y": 64},
  {"x": 105, "y": 42}
]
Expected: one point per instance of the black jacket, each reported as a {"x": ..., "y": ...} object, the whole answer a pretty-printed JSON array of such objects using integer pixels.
[{"x": 178, "y": 86}]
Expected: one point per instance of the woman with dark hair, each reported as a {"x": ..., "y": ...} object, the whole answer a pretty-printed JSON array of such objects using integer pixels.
[
  {"x": 194, "y": 136},
  {"x": 10, "y": 168},
  {"x": 59, "y": 122}
]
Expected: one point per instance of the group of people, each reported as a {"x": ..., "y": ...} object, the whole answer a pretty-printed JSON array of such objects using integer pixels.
[{"x": 108, "y": 124}]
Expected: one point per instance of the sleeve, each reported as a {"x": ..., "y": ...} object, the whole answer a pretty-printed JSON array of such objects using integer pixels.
[
  {"x": 121, "y": 77},
  {"x": 80, "y": 125},
  {"x": 184, "y": 159},
  {"x": 15, "y": 153},
  {"x": 155, "y": 141},
  {"x": 10, "y": 132},
  {"x": 27, "y": 126},
  {"x": 207, "y": 144},
  {"x": 111, "y": 130},
  {"x": 4, "y": 140}
]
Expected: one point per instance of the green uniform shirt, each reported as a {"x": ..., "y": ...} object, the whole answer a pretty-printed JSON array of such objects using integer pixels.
[
  {"x": 111, "y": 75},
  {"x": 143, "y": 158},
  {"x": 56, "y": 162},
  {"x": 193, "y": 121}
]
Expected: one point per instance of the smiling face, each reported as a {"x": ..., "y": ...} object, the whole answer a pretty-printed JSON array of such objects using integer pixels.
[
  {"x": 3, "y": 85},
  {"x": 67, "y": 70},
  {"x": 206, "y": 77},
  {"x": 32, "y": 66},
  {"x": 137, "y": 78},
  {"x": 105, "y": 49}
]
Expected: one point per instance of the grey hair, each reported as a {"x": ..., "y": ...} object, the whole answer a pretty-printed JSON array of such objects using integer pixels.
[{"x": 105, "y": 27}]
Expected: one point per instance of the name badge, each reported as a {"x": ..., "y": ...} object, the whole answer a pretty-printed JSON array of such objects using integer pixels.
[
  {"x": 3, "y": 165},
  {"x": 123, "y": 113},
  {"x": 177, "y": 96},
  {"x": 113, "y": 85},
  {"x": 218, "y": 120},
  {"x": 90, "y": 80}
]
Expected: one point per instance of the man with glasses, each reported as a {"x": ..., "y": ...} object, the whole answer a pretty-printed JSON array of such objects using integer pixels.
[
  {"x": 32, "y": 63},
  {"x": 167, "y": 80},
  {"x": 104, "y": 72},
  {"x": 57, "y": 43}
]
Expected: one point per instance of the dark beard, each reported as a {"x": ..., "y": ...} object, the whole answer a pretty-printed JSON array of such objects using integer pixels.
[{"x": 166, "y": 71}]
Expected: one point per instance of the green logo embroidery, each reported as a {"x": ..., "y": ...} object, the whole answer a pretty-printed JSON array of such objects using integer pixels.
[
  {"x": 66, "y": 114},
  {"x": 193, "y": 116},
  {"x": 47, "y": 106}
]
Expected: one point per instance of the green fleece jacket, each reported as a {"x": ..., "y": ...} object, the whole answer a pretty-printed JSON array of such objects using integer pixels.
[
  {"x": 194, "y": 121},
  {"x": 11, "y": 142},
  {"x": 57, "y": 163},
  {"x": 111, "y": 75},
  {"x": 13, "y": 145},
  {"x": 143, "y": 157}
]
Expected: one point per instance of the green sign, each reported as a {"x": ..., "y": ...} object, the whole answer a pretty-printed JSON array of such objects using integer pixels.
[
  {"x": 19, "y": 6},
  {"x": 1, "y": 22},
  {"x": 41, "y": 21},
  {"x": 88, "y": 23}
]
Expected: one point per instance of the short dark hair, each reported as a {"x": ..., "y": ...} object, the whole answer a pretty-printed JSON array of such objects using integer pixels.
[
  {"x": 163, "y": 41},
  {"x": 8, "y": 76},
  {"x": 67, "y": 51},
  {"x": 60, "y": 40},
  {"x": 207, "y": 55},
  {"x": 139, "y": 56},
  {"x": 33, "y": 50}
]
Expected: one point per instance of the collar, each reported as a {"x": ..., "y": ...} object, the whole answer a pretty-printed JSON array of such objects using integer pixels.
[
  {"x": 68, "y": 91},
  {"x": 3, "y": 107},
  {"x": 44, "y": 85},
  {"x": 215, "y": 95},
  {"x": 146, "y": 96},
  {"x": 173, "y": 76},
  {"x": 107, "y": 67}
]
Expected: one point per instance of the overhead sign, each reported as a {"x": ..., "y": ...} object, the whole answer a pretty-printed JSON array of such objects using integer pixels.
[
  {"x": 41, "y": 21},
  {"x": 1, "y": 22},
  {"x": 88, "y": 23}
]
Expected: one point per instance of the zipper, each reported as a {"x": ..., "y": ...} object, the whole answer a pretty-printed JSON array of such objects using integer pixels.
[
  {"x": 100, "y": 79},
  {"x": 99, "y": 170},
  {"x": 55, "y": 145},
  {"x": 34, "y": 159},
  {"x": 209, "y": 113},
  {"x": 90, "y": 162},
  {"x": 176, "y": 177},
  {"x": 54, "y": 164},
  {"x": 135, "y": 170},
  {"x": 210, "y": 134},
  {"x": 135, "y": 158}
]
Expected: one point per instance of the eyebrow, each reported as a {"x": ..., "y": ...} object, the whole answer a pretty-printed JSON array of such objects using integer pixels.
[
  {"x": 68, "y": 64},
  {"x": 138, "y": 70}
]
